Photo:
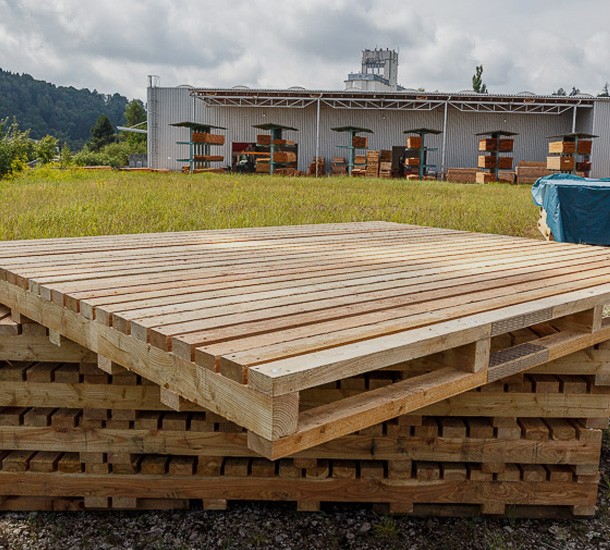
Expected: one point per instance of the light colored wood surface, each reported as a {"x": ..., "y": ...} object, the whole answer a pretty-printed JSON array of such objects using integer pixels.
[{"x": 240, "y": 321}]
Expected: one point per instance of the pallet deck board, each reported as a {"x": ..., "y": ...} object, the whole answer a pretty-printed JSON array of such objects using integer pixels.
[{"x": 242, "y": 320}]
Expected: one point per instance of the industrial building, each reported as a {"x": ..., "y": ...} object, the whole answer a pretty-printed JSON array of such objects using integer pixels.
[{"x": 373, "y": 99}]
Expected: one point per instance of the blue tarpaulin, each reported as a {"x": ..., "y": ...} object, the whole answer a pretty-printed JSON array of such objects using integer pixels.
[{"x": 577, "y": 209}]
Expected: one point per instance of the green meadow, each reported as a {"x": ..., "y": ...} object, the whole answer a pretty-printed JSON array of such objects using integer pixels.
[{"x": 48, "y": 202}]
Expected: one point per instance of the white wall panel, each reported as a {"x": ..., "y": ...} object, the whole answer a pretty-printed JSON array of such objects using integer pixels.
[{"x": 167, "y": 105}]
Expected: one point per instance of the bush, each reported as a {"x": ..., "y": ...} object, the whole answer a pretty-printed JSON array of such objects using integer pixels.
[
  {"x": 114, "y": 154},
  {"x": 16, "y": 148},
  {"x": 46, "y": 149}
]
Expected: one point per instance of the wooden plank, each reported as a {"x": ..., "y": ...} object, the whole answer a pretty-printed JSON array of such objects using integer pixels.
[
  {"x": 234, "y": 401},
  {"x": 38, "y": 348},
  {"x": 256, "y": 275},
  {"x": 297, "y": 373},
  {"x": 170, "y": 325},
  {"x": 353, "y": 413},
  {"x": 537, "y": 492},
  {"x": 297, "y": 285}
]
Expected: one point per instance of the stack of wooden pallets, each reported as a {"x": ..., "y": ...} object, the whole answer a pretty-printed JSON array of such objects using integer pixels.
[
  {"x": 372, "y": 164},
  {"x": 529, "y": 171},
  {"x": 385, "y": 163},
  {"x": 338, "y": 166},
  {"x": 428, "y": 370}
]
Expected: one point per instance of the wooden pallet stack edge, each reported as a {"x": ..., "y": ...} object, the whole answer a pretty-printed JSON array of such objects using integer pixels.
[{"x": 490, "y": 459}]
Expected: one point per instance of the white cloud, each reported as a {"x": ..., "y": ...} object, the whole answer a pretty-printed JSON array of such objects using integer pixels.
[{"x": 112, "y": 45}]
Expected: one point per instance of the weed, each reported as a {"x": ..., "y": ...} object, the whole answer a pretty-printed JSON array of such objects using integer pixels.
[{"x": 386, "y": 528}]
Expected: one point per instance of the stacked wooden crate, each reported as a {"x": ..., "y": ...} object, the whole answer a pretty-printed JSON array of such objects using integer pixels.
[
  {"x": 73, "y": 436},
  {"x": 372, "y": 164},
  {"x": 338, "y": 166},
  {"x": 359, "y": 168},
  {"x": 385, "y": 163}
]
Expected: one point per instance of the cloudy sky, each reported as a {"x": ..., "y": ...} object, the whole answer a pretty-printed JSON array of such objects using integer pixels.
[{"x": 112, "y": 45}]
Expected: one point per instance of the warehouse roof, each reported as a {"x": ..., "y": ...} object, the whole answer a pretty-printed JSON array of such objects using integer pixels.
[{"x": 401, "y": 100}]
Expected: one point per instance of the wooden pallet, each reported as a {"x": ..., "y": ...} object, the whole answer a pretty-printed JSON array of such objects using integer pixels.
[
  {"x": 529, "y": 440},
  {"x": 242, "y": 322}
]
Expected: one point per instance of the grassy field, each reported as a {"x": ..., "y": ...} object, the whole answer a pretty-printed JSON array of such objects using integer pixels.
[{"x": 48, "y": 202}]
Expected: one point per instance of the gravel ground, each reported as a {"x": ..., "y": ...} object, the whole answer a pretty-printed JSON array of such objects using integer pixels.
[{"x": 278, "y": 526}]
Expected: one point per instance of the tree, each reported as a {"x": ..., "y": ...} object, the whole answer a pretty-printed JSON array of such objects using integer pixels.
[
  {"x": 102, "y": 133},
  {"x": 135, "y": 114},
  {"x": 46, "y": 149},
  {"x": 477, "y": 81},
  {"x": 605, "y": 91},
  {"x": 65, "y": 156},
  {"x": 575, "y": 91},
  {"x": 560, "y": 92}
]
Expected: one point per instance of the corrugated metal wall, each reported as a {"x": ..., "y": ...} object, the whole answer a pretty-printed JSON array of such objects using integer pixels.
[
  {"x": 167, "y": 105},
  {"x": 600, "y": 156}
]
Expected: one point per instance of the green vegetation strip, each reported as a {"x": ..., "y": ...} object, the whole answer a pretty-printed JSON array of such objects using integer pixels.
[{"x": 48, "y": 202}]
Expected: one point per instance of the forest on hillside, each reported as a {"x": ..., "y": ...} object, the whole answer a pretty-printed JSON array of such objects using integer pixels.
[{"x": 60, "y": 111}]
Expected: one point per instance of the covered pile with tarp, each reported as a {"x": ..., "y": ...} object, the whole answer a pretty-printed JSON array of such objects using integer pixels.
[{"x": 577, "y": 209}]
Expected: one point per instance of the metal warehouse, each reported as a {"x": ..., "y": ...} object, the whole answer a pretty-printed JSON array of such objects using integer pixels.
[{"x": 386, "y": 110}]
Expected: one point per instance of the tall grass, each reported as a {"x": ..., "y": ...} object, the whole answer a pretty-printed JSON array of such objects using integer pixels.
[{"x": 48, "y": 202}]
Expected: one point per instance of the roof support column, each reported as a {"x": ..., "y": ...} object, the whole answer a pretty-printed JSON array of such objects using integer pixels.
[
  {"x": 317, "y": 133},
  {"x": 444, "y": 145},
  {"x": 574, "y": 113}
]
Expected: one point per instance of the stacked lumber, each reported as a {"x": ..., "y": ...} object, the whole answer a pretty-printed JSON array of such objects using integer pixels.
[
  {"x": 385, "y": 163},
  {"x": 372, "y": 164},
  {"x": 529, "y": 171},
  {"x": 493, "y": 145},
  {"x": 205, "y": 137},
  {"x": 338, "y": 166},
  {"x": 488, "y": 177},
  {"x": 208, "y": 158},
  {"x": 75, "y": 437},
  {"x": 317, "y": 166},
  {"x": 569, "y": 147},
  {"x": 360, "y": 142},
  {"x": 263, "y": 165},
  {"x": 360, "y": 160},
  {"x": 385, "y": 169},
  {"x": 562, "y": 163},
  {"x": 489, "y": 161},
  {"x": 371, "y": 362},
  {"x": 413, "y": 142},
  {"x": 284, "y": 157},
  {"x": 263, "y": 139},
  {"x": 563, "y": 156},
  {"x": 461, "y": 175}
]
